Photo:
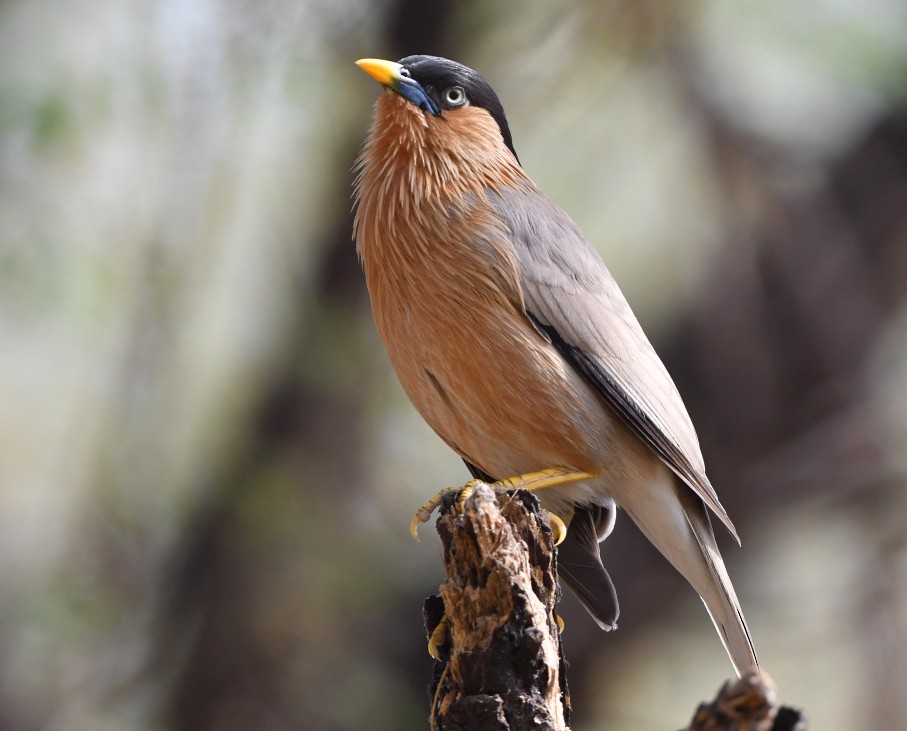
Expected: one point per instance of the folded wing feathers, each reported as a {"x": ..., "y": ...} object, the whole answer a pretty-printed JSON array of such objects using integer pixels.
[{"x": 577, "y": 303}]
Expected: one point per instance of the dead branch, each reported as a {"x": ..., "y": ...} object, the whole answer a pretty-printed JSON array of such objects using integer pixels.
[
  {"x": 748, "y": 704},
  {"x": 501, "y": 667}
]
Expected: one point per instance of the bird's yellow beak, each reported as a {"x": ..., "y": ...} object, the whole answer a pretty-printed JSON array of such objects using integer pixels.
[
  {"x": 391, "y": 75},
  {"x": 384, "y": 72}
]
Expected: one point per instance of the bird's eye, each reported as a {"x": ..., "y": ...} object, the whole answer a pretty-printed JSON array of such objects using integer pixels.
[
  {"x": 455, "y": 96},
  {"x": 405, "y": 72}
]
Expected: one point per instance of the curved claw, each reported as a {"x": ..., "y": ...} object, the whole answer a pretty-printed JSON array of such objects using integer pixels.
[
  {"x": 558, "y": 528},
  {"x": 551, "y": 477},
  {"x": 423, "y": 514},
  {"x": 438, "y": 637}
]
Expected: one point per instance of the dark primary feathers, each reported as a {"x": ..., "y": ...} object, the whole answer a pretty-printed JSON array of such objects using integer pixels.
[{"x": 579, "y": 563}]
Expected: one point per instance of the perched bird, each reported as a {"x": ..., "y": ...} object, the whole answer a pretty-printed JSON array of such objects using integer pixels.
[{"x": 514, "y": 342}]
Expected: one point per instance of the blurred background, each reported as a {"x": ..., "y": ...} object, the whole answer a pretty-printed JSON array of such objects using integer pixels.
[{"x": 207, "y": 468}]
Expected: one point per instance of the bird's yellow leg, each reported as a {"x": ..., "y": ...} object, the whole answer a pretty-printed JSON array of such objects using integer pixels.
[
  {"x": 551, "y": 477},
  {"x": 428, "y": 507}
]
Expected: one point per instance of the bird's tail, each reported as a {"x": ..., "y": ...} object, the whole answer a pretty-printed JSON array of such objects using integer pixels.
[
  {"x": 681, "y": 530},
  {"x": 579, "y": 563},
  {"x": 719, "y": 596}
]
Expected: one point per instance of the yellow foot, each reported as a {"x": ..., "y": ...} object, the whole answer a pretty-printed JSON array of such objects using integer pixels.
[
  {"x": 438, "y": 637},
  {"x": 424, "y": 513},
  {"x": 551, "y": 477},
  {"x": 560, "y": 623},
  {"x": 558, "y": 527}
]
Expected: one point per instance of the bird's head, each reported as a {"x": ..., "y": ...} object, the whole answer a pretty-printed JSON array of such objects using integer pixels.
[{"x": 440, "y": 88}]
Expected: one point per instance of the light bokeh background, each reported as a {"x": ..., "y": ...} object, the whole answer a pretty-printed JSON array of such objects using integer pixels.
[{"x": 207, "y": 468}]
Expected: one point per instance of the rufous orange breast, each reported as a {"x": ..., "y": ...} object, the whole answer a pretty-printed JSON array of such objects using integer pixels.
[{"x": 447, "y": 300}]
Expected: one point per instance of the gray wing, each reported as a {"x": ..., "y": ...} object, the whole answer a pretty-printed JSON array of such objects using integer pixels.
[{"x": 572, "y": 297}]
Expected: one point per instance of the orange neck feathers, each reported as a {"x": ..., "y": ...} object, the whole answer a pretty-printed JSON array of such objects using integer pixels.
[{"x": 413, "y": 162}]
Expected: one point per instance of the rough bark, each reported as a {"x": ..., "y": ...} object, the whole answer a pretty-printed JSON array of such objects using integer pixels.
[{"x": 501, "y": 666}]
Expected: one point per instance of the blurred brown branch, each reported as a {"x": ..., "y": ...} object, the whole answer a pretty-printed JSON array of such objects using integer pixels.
[{"x": 748, "y": 704}]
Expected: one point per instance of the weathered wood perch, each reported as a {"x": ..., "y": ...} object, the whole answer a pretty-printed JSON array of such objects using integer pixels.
[{"x": 502, "y": 667}]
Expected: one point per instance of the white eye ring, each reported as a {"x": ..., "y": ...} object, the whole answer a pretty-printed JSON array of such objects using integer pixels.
[
  {"x": 404, "y": 72},
  {"x": 455, "y": 96}
]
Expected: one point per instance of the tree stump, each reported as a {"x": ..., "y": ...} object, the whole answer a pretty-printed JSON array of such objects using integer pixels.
[{"x": 501, "y": 667}]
